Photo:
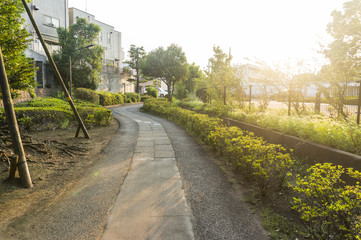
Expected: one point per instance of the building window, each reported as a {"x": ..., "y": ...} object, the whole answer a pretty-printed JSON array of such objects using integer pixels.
[
  {"x": 109, "y": 37},
  {"x": 51, "y": 21}
]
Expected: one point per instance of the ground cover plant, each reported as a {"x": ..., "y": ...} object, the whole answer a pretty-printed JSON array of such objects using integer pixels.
[
  {"x": 336, "y": 133},
  {"x": 327, "y": 207}
]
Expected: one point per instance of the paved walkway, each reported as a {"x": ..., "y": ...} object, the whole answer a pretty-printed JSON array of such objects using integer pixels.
[{"x": 151, "y": 203}]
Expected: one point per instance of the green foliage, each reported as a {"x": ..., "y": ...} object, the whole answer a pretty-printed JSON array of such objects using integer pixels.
[
  {"x": 95, "y": 116},
  {"x": 342, "y": 54},
  {"x": 14, "y": 39},
  {"x": 338, "y": 134},
  {"x": 188, "y": 85},
  {"x": 170, "y": 65},
  {"x": 330, "y": 208},
  {"x": 278, "y": 226},
  {"x": 108, "y": 98},
  {"x": 137, "y": 55},
  {"x": 267, "y": 165},
  {"x": 132, "y": 97},
  {"x": 145, "y": 97},
  {"x": 87, "y": 95},
  {"x": 86, "y": 63},
  {"x": 152, "y": 92},
  {"x": 50, "y": 113},
  {"x": 221, "y": 74}
]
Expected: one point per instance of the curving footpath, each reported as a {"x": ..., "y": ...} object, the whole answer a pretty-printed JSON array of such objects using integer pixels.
[
  {"x": 151, "y": 203},
  {"x": 155, "y": 182}
]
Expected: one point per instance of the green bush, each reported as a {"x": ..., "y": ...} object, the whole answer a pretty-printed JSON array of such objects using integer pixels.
[
  {"x": 267, "y": 165},
  {"x": 145, "y": 97},
  {"x": 134, "y": 97},
  {"x": 95, "y": 116},
  {"x": 43, "y": 118},
  {"x": 86, "y": 95},
  {"x": 152, "y": 92},
  {"x": 44, "y": 102},
  {"x": 330, "y": 208},
  {"x": 51, "y": 113},
  {"x": 120, "y": 98},
  {"x": 344, "y": 135}
]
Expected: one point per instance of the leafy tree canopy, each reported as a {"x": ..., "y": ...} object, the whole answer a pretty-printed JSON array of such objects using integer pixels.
[
  {"x": 14, "y": 39},
  {"x": 221, "y": 73},
  {"x": 137, "y": 55},
  {"x": 344, "y": 53},
  {"x": 86, "y": 63},
  {"x": 169, "y": 65}
]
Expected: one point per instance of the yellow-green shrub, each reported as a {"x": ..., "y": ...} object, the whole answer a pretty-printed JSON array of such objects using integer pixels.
[
  {"x": 267, "y": 165},
  {"x": 330, "y": 208}
]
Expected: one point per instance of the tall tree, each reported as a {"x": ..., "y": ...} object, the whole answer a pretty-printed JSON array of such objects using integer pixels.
[
  {"x": 86, "y": 63},
  {"x": 343, "y": 53},
  {"x": 169, "y": 65},
  {"x": 137, "y": 55},
  {"x": 191, "y": 82},
  {"x": 221, "y": 74},
  {"x": 14, "y": 39}
]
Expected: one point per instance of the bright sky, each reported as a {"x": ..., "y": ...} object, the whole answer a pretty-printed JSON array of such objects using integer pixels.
[{"x": 268, "y": 30}]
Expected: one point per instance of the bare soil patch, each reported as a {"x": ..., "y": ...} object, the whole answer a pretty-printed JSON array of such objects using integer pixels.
[{"x": 55, "y": 159}]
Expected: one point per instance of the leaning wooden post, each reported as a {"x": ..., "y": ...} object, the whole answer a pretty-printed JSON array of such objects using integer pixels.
[
  {"x": 13, "y": 126},
  {"x": 56, "y": 71}
]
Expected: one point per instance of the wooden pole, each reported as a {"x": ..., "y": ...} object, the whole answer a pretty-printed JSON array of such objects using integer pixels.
[
  {"x": 56, "y": 71},
  {"x": 250, "y": 96},
  {"x": 359, "y": 104},
  {"x": 13, "y": 127},
  {"x": 70, "y": 77}
]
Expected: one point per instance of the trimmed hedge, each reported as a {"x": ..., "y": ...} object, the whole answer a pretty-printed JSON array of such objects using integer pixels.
[
  {"x": 133, "y": 97},
  {"x": 87, "y": 95},
  {"x": 267, "y": 165},
  {"x": 51, "y": 113},
  {"x": 151, "y": 91},
  {"x": 329, "y": 208}
]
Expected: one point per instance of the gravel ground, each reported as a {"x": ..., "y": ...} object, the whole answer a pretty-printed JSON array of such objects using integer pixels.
[
  {"x": 82, "y": 212},
  {"x": 219, "y": 212}
]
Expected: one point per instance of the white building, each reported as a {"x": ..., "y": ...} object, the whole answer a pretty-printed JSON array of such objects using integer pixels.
[{"x": 49, "y": 15}]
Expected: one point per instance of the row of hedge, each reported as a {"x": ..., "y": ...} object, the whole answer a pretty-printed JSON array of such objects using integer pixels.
[
  {"x": 267, "y": 165},
  {"x": 329, "y": 208},
  {"x": 52, "y": 113},
  {"x": 105, "y": 98}
]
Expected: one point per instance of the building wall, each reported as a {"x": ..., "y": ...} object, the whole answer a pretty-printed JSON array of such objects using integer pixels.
[
  {"x": 48, "y": 15},
  {"x": 109, "y": 38}
]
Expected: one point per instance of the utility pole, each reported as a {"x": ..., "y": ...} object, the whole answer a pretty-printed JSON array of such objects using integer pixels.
[{"x": 14, "y": 129}]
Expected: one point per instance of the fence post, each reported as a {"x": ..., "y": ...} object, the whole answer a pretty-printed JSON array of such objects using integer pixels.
[
  {"x": 250, "y": 96},
  {"x": 318, "y": 102},
  {"x": 359, "y": 103}
]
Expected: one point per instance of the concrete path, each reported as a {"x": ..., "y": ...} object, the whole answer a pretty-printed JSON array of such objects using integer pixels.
[{"x": 151, "y": 203}]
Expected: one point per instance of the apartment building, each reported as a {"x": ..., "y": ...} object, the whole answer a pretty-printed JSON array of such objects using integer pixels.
[
  {"x": 111, "y": 40},
  {"x": 49, "y": 15}
]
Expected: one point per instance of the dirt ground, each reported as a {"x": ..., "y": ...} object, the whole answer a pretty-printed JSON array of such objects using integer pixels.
[{"x": 55, "y": 159}]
